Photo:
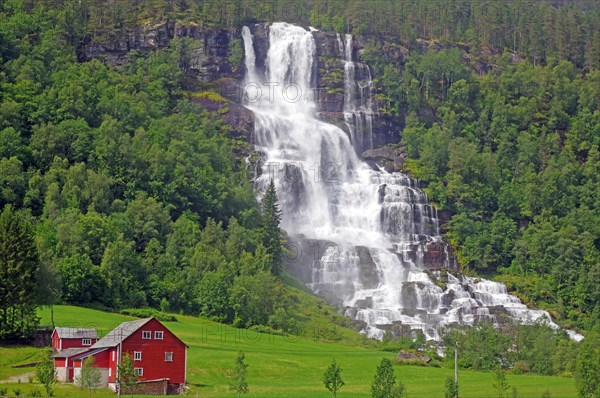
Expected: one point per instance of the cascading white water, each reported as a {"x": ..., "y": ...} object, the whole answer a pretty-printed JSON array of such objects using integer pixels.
[
  {"x": 378, "y": 225},
  {"x": 358, "y": 109}
]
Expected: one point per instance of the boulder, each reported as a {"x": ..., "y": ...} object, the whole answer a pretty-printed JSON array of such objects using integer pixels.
[
  {"x": 412, "y": 356},
  {"x": 390, "y": 157}
]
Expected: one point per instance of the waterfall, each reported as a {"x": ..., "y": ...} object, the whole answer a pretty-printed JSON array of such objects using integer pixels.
[
  {"x": 374, "y": 229},
  {"x": 358, "y": 109}
]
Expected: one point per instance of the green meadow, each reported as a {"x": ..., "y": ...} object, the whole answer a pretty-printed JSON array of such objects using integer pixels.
[{"x": 279, "y": 366}]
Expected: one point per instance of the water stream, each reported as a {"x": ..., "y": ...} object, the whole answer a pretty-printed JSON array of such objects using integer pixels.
[{"x": 379, "y": 226}]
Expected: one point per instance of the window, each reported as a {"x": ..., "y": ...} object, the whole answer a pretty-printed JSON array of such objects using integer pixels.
[
  {"x": 158, "y": 335},
  {"x": 138, "y": 371},
  {"x": 113, "y": 356},
  {"x": 137, "y": 355},
  {"x": 168, "y": 357},
  {"x": 146, "y": 334},
  {"x": 109, "y": 372},
  {"x": 86, "y": 341}
]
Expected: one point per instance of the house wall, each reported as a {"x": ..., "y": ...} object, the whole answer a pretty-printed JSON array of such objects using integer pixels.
[
  {"x": 75, "y": 343},
  {"x": 55, "y": 341},
  {"x": 101, "y": 360},
  {"x": 153, "y": 353},
  {"x": 61, "y": 373},
  {"x": 76, "y": 374},
  {"x": 103, "y": 375},
  {"x": 112, "y": 365}
]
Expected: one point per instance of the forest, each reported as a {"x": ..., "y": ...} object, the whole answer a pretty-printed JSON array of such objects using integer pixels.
[
  {"x": 120, "y": 192},
  {"x": 132, "y": 194}
]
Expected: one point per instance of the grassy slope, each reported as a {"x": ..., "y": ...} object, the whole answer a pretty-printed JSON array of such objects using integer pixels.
[{"x": 283, "y": 366}]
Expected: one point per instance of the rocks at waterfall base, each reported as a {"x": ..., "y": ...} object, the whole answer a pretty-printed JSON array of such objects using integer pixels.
[{"x": 412, "y": 357}]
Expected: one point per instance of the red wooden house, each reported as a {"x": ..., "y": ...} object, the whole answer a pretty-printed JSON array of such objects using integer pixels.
[
  {"x": 158, "y": 355},
  {"x": 69, "y": 342},
  {"x": 63, "y": 338}
]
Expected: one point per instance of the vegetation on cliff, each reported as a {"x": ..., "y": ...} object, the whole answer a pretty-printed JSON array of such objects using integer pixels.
[
  {"x": 514, "y": 156},
  {"x": 138, "y": 199},
  {"x": 136, "y": 195}
]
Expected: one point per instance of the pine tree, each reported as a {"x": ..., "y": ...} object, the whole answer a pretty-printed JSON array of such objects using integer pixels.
[
  {"x": 333, "y": 378},
  {"x": 384, "y": 384},
  {"x": 271, "y": 233},
  {"x": 19, "y": 266},
  {"x": 237, "y": 378}
]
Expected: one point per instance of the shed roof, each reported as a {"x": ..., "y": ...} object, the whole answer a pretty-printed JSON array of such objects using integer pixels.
[
  {"x": 88, "y": 353},
  {"x": 76, "y": 333},
  {"x": 69, "y": 352}
]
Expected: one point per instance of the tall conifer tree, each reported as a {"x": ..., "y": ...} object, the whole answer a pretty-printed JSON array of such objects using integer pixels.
[
  {"x": 271, "y": 233},
  {"x": 18, "y": 275}
]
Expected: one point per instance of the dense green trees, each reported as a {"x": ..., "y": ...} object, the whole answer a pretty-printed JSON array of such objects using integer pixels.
[
  {"x": 19, "y": 265},
  {"x": 135, "y": 195},
  {"x": 523, "y": 348},
  {"x": 137, "y": 199},
  {"x": 588, "y": 367},
  {"x": 514, "y": 155}
]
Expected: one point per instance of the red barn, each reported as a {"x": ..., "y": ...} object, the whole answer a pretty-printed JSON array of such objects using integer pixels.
[{"x": 157, "y": 354}]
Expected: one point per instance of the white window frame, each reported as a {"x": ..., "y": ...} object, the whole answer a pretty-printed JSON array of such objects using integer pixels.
[
  {"x": 137, "y": 355},
  {"x": 146, "y": 333},
  {"x": 138, "y": 371},
  {"x": 159, "y": 333},
  {"x": 113, "y": 356},
  {"x": 109, "y": 371},
  {"x": 86, "y": 341},
  {"x": 167, "y": 354}
]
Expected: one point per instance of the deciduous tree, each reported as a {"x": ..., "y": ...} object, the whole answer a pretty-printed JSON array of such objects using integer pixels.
[
  {"x": 45, "y": 372},
  {"x": 90, "y": 376},
  {"x": 333, "y": 378}
]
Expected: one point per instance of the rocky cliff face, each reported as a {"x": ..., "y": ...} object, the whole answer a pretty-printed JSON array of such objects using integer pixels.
[{"x": 210, "y": 61}]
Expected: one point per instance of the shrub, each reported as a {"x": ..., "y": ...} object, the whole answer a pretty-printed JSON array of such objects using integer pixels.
[
  {"x": 148, "y": 313},
  {"x": 520, "y": 368}
]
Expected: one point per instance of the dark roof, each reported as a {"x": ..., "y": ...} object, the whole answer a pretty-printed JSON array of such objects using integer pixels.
[
  {"x": 120, "y": 333},
  {"x": 76, "y": 333},
  {"x": 90, "y": 352},
  {"x": 69, "y": 352}
]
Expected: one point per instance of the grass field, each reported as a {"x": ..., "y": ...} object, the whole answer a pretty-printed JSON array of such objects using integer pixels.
[{"x": 278, "y": 366}]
